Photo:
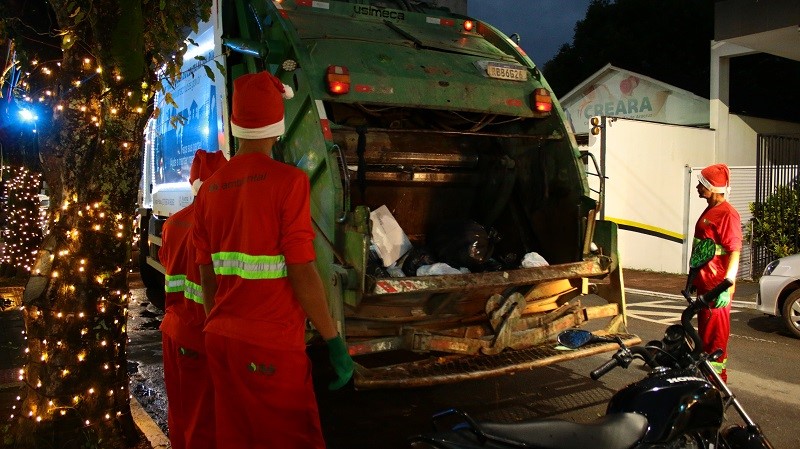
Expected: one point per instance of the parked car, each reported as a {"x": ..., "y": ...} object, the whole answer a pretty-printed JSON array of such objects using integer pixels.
[{"x": 779, "y": 291}]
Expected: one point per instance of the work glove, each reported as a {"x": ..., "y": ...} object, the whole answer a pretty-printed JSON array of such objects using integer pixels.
[
  {"x": 341, "y": 361},
  {"x": 723, "y": 299}
]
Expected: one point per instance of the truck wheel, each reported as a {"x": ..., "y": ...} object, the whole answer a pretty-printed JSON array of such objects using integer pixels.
[
  {"x": 791, "y": 313},
  {"x": 152, "y": 279}
]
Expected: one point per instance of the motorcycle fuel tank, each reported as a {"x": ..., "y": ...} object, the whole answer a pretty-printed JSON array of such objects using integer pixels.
[{"x": 674, "y": 402}]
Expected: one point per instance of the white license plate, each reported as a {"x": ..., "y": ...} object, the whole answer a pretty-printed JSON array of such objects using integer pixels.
[{"x": 505, "y": 72}]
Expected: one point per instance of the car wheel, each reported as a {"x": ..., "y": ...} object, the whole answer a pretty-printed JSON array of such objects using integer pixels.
[{"x": 791, "y": 313}]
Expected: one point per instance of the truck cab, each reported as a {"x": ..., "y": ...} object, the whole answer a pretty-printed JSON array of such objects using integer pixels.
[{"x": 408, "y": 112}]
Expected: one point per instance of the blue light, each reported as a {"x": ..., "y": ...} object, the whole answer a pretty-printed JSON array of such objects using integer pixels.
[{"x": 27, "y": 116}]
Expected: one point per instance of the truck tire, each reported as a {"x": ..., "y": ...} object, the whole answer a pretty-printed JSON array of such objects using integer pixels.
[{"x": 152, "y": 279}]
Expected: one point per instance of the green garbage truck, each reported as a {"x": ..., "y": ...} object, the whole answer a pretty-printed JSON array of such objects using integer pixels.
[{"x": 410, "y": 119}]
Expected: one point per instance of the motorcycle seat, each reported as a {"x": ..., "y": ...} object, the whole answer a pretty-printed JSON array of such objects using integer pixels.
[{"x": 614, "y": 431}]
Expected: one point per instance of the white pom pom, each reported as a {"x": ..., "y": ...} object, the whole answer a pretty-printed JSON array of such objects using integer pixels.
[{"x": 288, "y": 93}]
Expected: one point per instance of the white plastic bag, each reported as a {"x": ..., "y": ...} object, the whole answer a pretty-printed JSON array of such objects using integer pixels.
[
  {"x": 388, "y": 237},
  {"x": 533, "y": 260},
  {"x": 436, "y": 269}
]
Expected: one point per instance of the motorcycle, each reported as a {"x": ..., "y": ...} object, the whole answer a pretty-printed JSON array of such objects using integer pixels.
[{"x": 681, "y": 403}]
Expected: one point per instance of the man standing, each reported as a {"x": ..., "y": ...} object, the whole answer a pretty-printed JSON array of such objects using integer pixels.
[
  {"x": 254, "y": 243},
  {"x": 190, "y": 394},
  {"x": 721, "y": 223}
]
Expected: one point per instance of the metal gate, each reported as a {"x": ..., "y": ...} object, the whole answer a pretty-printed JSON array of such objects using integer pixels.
[{"x": 777, "y": 164}]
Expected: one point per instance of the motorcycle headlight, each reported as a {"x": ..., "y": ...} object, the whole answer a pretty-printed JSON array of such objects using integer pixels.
[{"x": 771, "y": 267}]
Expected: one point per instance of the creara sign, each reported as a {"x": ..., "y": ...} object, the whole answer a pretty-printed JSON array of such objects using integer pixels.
[{"x": 622, "y": 94}]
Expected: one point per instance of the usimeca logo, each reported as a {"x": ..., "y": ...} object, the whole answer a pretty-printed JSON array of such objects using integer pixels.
[{"x": 377, "y": 12}]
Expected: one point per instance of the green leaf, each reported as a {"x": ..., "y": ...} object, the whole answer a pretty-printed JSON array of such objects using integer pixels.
[
  {"x": 169, "y": 100},
  {"x": 162, "y": 5},
  {"x": 200, "y": 58},
  {"x": 68, "y": 41},
  {"x": 76, "y": 12},
  {"x": 209, "y": 72},
  {"x": 220, "y": 67},
  {"x": 191, "y": 41}
]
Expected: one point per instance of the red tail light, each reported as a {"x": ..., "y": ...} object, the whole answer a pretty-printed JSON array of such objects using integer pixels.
[
  {"x": 469, "y": 25},
  {"x": 338, "y": 79},
  {"x": 542, "y": 102}
]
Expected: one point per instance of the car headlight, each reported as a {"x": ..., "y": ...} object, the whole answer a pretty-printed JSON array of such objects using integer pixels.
[{"x": 771, "y": 267}]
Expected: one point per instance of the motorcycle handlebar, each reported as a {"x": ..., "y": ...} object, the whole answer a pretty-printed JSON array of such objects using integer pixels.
[{"x": 604, "y": 369}]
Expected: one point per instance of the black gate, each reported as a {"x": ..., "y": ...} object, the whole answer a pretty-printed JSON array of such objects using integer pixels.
[{"x": 777, "y": 165}]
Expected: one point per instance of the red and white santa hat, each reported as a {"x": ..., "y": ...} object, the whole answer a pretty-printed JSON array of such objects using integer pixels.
[
  {"x": 258, "y": 106},
  {"x": 716, "y": 178},
  {"x": 204, "y": 165}
]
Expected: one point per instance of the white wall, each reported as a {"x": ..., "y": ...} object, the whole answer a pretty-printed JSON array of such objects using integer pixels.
[
  {"x": 647, "y": 166},
  {"x": 742, "y": 132}
]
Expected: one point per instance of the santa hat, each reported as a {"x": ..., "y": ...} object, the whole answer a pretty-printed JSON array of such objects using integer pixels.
[
  {"x": 258, "y": 106},
  {"x": 716, "y": 178},
  {"x": 203, "y": 166}
]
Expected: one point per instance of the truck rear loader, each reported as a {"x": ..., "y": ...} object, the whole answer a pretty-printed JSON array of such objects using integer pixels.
[{"x": 443, "y": 120}]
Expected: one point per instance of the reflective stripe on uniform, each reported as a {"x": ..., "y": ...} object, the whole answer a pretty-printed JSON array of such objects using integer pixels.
[
  {"x": 720, "y": 251},
  {"x": 249, "y": 267},
  {"x": 193, "y": 292},
  {"x": 719, "y": 367},
  {"x": 174, "y": 283}
]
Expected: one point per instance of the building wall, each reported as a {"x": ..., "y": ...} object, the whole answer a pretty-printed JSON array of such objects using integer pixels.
[{"x": 742, "y": 132}]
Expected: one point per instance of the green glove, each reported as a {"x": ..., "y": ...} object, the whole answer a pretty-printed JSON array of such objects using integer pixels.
[
  {"x": 723, "y": 299},
  {"x": 341, "y": 361}
]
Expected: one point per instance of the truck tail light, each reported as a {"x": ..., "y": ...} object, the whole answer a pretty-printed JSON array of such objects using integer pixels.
[
  {"x": 338, "y": 79},
  {"x": 542, "y": 101},
  {"x": 468, "y": 25}
]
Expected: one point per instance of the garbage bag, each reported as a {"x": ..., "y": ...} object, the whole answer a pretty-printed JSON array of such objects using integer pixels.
[
  {"x": 463, "y": 243},
  {"x": 416, "y": 258}
]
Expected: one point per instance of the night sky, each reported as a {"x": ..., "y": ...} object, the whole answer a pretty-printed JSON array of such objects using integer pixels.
[{"x": 543, "y": 25}]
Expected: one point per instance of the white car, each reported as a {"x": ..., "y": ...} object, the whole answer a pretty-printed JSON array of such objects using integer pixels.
[{"x": 779, "y": 291}]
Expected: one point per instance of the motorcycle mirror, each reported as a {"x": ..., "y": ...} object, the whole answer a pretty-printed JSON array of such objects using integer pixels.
[{"x": 574, "y": 338}]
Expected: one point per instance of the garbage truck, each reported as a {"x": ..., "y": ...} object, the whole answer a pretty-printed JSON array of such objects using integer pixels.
[{"x": 456, "y": 232}]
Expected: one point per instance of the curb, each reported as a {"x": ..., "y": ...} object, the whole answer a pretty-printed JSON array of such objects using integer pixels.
[
  {"x": 151, "y": 431},
  {"x": 737, "y": 303}
]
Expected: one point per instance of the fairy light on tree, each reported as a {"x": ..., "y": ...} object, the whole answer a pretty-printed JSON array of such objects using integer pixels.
[
  {"x": 90, "y": 137},
  {"x": 22, "y": 232}
]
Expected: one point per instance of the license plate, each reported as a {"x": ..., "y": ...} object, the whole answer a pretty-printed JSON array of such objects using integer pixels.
[{"x": 506, "y": 72}]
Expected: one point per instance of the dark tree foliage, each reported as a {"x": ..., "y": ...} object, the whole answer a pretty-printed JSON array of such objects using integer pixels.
[{"x": 668, "y": 40}]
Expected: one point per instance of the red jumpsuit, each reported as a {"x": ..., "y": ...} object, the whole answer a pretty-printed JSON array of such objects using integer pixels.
[
  {"x": 189, "y": 389},
  {"x": 722, "y": 224},
  {"x": 253, "y": 218}
]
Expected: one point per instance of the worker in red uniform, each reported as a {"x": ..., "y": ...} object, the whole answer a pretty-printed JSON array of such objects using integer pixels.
[
  {"x": 190, "y": 394},
  {"x": 254, "y": 243},
  {"x": 721, "y": 223}
]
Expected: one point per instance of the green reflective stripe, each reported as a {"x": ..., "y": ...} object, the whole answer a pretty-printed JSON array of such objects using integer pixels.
[
  {"x": 720, "y": 251},
  {"x": 249, "y": 267},
  {"x": 193, "y": 292},
  {"x": 174, "y": 283},
  {"x": 719, "y": 366}
]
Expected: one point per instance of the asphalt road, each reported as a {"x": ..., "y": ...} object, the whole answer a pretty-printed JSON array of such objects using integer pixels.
[{"x": 762, "y": 373}]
